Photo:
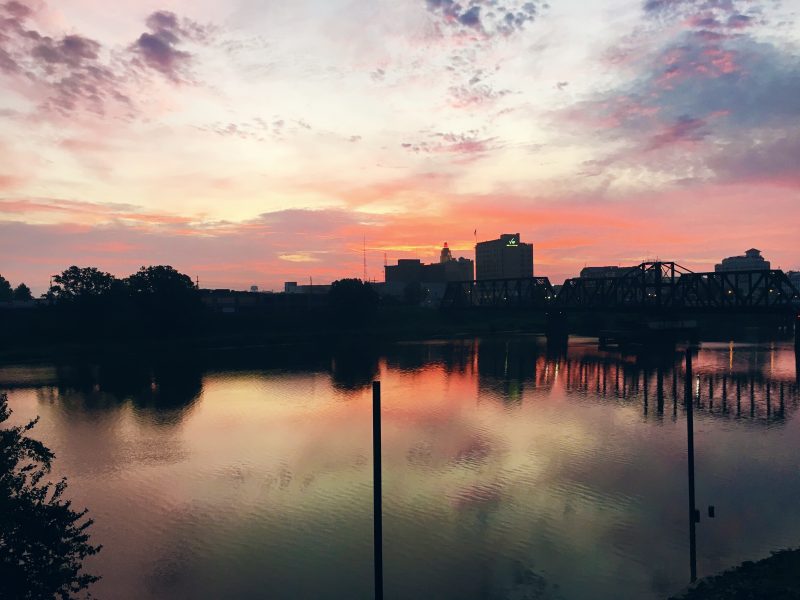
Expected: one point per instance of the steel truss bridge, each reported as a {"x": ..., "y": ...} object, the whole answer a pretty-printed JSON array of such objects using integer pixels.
[{"x": 652, "y": 286}]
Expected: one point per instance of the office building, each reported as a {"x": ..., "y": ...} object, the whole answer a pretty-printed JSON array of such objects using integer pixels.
[
  {"x": 751, "y": 261},
  {"x": 504, "y": 258}
]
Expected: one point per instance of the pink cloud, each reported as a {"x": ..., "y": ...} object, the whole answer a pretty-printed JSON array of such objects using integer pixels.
[{"x": 694, "y": 226}]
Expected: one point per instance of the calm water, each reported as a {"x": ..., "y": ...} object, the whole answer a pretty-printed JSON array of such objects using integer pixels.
[{"x": 509, "y": 472}]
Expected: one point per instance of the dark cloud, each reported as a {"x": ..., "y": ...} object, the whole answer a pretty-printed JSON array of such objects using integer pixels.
[
  {"x": 685, "y": 129},
  {"x": 69, "y": 72},
  {"x": 71, "y": 50},
  {"x": 75, "y": 74},
  {"x": 488, "y": 17},
  {"x": 710, "y": 14},
  {"x": 158, "y": 48},
  {"x": 471, "y": 17},
  {"x": 17, "y": 10}
]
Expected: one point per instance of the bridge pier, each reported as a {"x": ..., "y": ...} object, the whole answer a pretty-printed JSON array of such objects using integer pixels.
[
  {"x": 797, "y": 348},
  {"x": 797, "y": 334}
]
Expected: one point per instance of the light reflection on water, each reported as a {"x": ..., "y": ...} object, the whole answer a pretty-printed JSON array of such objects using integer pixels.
[{"x": 509, "y": 471}]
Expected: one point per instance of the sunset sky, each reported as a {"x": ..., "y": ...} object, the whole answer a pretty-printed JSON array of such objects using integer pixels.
[{"x": 256, "y": 141}]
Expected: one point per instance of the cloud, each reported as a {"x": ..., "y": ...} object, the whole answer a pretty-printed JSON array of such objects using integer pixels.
[
  {"x": 65, "y": 74},
  {"x": 73, "y": 74},
  {"x": 468, "y": 143},
  {"x": 486, "y": 17},
  {"x": 710, "y": 92},
  {"x": 158, "y": 48},
  {"x": 685, "y": 129}
]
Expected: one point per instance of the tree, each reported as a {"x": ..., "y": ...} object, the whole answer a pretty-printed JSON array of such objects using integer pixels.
[
  {"x": 162, "y": 281},
  {"x": 22, "y": 293},
  {"x": 43, "y": 542},
  {"x": 165, "y": 298},
  {"x": 6, "y": 295},
  {"x": 353, "y": 299},
  {"x": 78, "y": 283}
]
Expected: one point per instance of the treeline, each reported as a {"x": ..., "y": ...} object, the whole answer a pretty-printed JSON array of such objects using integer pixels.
[
  {"x": 86, "y": 304},
  {"x": 21, "y": 293},
  {"x": 90, "y": 304}
]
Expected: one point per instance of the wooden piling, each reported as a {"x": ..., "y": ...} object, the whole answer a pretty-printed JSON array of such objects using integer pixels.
[{"x": 377, "y": 488}]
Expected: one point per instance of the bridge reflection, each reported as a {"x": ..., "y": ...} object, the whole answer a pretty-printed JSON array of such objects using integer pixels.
[{"x": 751, "y": 388}]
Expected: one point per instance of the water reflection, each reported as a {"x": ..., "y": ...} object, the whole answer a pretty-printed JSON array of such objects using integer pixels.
[
  {"x": 161, "y": 393},
  {"x": 512, "y": 468}
]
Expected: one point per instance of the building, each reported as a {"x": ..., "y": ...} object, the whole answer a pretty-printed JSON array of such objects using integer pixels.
[
  {"x": 409, "y": 270},
  {"x": 751, "y": 261},
  {"x": 503, "y": 258},
  {"x": 431, "y": 278},
  {"x": 291, "y": 287},
  {"x": 794, "y": 277}
]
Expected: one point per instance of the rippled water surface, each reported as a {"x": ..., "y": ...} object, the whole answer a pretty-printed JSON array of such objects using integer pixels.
[{"x": 509, "y": 471}]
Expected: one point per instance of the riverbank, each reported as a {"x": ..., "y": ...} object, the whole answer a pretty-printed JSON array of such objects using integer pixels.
[
  {"x": 773, "y": 578},
  {"x": 248, "y": 331}
]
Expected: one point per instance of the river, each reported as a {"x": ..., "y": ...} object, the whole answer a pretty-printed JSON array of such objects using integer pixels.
[{"x": 510, "y": 470}]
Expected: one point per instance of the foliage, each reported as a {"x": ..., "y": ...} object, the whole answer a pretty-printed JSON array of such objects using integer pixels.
[
  {"x": 43, "y": 542},
  {"x": 5, "y": 290},
  {"x": 164, "y": 298},
  {"x": 22, "y": 293},
  {"x": 78, "y": 283},
  {"x": 353, "y": 299},
  {"x": 161, "y": 281}
]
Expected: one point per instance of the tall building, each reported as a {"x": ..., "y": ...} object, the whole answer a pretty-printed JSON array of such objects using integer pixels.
[
  {"x": 445, "y": 255},
  {"x": 503, "y": 258},
  {"x": 751, "y": 261}
]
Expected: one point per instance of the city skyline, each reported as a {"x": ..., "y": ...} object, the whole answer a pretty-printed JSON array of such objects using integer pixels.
[{"x": 249, "y": 144}]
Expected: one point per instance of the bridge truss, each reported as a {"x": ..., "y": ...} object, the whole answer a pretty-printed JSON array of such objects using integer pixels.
[{"x": 651, "y": 286}]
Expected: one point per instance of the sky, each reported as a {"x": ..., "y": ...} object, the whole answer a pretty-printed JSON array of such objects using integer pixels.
[{"x": 252, "y": 142}]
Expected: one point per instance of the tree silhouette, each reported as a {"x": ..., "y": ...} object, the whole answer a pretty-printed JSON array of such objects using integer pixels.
[
  {"x": 161, "y": 281},
  {"x": 78, "y": 283},
  {"x": 353, "y": 299},
  {"x": 43, "y": 542},
  {"x": 5, "y": 290},
  {"x": 167, "y": 298},
  {"x": 22, "y": 293}
]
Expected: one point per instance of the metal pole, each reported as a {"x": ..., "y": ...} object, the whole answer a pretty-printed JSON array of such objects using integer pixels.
[
  {"x": 690, "y": 457},
  {"x": 377, "y": 487}
]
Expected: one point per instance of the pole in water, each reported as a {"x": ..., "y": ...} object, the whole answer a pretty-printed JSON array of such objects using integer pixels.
[
  {"x": 690, "y": 464},
  {"x": 377, "y": 487}
]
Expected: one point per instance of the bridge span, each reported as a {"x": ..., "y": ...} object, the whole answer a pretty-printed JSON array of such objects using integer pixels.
[{"x": 663, "y": 287}]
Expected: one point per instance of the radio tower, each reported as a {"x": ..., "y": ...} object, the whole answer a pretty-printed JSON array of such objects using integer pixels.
[{"x": 365, "y": 258}]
